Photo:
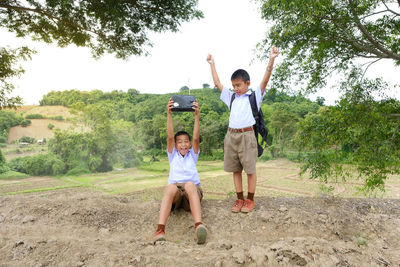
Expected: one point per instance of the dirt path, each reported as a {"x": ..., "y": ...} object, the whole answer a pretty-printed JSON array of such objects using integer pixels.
[{"x": 78, "y": 227}]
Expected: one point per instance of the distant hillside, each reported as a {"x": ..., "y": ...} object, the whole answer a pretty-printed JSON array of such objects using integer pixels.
[
  {"x": 48, "y": 111},
  {"x": 39, "y": 127}
]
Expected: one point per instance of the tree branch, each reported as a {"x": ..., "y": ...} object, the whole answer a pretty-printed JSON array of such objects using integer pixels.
[
  {"x": 42, "y": 12},
  {"x": 355, "y": 43},
  {"x": 390, "y": 10},
  {"x": 369, "y": 65},
  {"x": 376, "y": 13},
  {"x": 368, "y": 36}
]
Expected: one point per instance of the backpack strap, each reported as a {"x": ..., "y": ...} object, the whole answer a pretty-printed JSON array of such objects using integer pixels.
[
  {"x": 233, "y": 98},
  {"x": 253, "y": 104}
]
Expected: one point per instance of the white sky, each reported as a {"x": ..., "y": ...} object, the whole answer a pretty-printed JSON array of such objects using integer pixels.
[{"x": 230, "y": 31}]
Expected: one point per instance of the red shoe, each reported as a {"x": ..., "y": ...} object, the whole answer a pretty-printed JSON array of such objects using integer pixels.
[
  {"x": 238, "y": 206},
  {"x": 248, "y": 206},
  {"x": 159, "y": 236}
]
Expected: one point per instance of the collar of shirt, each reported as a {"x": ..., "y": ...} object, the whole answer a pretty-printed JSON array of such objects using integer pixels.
[{"x": 248, "y": 93}]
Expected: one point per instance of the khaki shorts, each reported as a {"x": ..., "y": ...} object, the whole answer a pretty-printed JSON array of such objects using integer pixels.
[
  {"x": 240, "y": 152},
  {"x": 183, "y": 199}
]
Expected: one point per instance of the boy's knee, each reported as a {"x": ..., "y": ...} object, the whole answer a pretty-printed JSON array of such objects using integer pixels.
[
  {"x": 171, "y": 189},
  {"x": 190, "y": 187}
]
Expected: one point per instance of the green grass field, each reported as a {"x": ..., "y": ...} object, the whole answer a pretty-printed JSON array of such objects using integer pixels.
[{"x": 277, "y": 178}]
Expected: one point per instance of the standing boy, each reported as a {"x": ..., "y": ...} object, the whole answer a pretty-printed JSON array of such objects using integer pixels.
[
  {"x": 183, "y": 188},
  {"x": 240, "y": 144}
]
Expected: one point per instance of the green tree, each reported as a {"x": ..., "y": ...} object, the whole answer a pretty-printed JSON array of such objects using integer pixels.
[
  {"x": 320, "y": 37},
  {"x": 9, "y": 58},
  {"x": 359, "y": 131},
  {"x": 283, "y": 126},
  {"x": 112, "y": 26},
  {"x": 184, "y": 88}
]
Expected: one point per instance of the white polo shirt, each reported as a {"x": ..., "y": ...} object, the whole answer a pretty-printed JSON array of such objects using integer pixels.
[
  {"x": 241, "y": 115},
  {"x": 183, "y": 169}
]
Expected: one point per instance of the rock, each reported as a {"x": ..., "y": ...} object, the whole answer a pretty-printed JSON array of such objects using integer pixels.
[
  {"x": 2, "y": 218},
  {"x": 282, "y": 209},
  {"x": 258, "y": 255},
  {"x": 28, "y": 218},
  {"x": 239, "y": 257}
]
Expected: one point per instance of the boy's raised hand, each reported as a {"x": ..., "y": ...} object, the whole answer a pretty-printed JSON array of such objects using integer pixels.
[
  {"x": 274, "y": 52},
  {"x": 196, "y": 108},
  {"x": 170, "y": 106},
  {"x": 210, "y": 59}
]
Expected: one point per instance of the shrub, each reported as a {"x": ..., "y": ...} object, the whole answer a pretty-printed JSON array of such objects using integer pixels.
[
  {"x": 25, "y": 123},
  {"x": 50, "y": 126},
  {"x": 57, "y": 118},
  {"x": 3, "y": 139},
  {"x": 4, "y": 168},
  {"x": 27, "y": 139},
  {"x": 16, "y": 164},
  {"x": 265, "y": 156},
  {"x": 78, "y": 171},
  {"x": 34, "y": 116},
  {"x": 41, "y": 164}
]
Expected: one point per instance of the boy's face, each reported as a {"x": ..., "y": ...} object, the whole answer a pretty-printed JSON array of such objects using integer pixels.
[
  {"x": 240, "y": 86},
  {"x": 183, "y": 144}
]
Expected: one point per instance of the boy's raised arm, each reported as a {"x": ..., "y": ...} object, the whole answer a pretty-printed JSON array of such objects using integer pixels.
[
  {"x": 170, "y": 127},
  {"x": 272, "y": 55},
  {"x": 214, "y": 74},
  {"x": 196, "y": 128}
]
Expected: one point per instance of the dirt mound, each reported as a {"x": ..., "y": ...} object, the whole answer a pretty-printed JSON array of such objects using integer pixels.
[{"x": 78, "y": 227}]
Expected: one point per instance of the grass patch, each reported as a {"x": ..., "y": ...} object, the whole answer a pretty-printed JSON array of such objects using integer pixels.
[{"x": 13, "y": 175}]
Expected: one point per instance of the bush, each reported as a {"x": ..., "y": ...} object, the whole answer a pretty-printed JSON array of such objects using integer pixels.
[
  {"x": 265, "y": 156},
  {"x": 27, "y": 139},
  {"x": 50, "y": 126},
  {"x": 34, "y": 116},
  {"x": 78, "y": 171},
  {"x": 3, "y": 139},
  {"x": 4, "y": 168},
  {"x": 25, "y": 123},
  {"x": 41, "y": 164},
  {"x": 16, "y": 164},
  {"x": 57, "y": 118}
]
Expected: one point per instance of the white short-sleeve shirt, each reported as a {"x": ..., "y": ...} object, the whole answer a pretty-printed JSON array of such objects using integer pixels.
[
  {"x": 241, "y": 115},
  {"x": 183, "y": 169}
]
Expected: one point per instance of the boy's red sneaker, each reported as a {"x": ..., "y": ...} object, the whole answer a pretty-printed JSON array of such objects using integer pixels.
[
  {"x": 201, "y": 234},
  {"x": 159, "y": 236},
  {"x": 248, "y": 205},
  {"x": 238, "y": 206}
]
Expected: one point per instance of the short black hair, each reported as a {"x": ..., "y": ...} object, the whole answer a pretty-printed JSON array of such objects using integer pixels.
[
  {"x": 240, "y": 74},
  {"x": 181, "y": 133}
]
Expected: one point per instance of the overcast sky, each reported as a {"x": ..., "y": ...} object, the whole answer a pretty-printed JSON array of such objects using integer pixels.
[{"x": 230, "y": 31}]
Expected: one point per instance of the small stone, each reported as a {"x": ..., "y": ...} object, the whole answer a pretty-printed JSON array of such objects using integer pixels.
[
  {"x": 239, "y": 257},
  {"x": 282, "y": 209},
  {"x": 28, "y": 218}
]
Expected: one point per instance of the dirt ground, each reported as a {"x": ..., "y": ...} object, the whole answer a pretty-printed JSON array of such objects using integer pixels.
[{"x": 79, "y": 227}]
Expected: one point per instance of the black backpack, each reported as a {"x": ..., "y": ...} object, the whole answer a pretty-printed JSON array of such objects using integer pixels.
[{"x": 259, "y": 127}]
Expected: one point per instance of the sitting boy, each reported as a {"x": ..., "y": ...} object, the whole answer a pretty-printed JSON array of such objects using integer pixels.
[{"x": 183, "y": 188}]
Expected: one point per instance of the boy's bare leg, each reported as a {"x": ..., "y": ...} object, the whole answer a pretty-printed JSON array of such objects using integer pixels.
[
  {"x": 252, "y": 182},
  {"x": 195, "y": 208},
  {"x": 194, "y": 200},
  {"x": 237, "y": 180},
  {"x": 171, "y": 195}
]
